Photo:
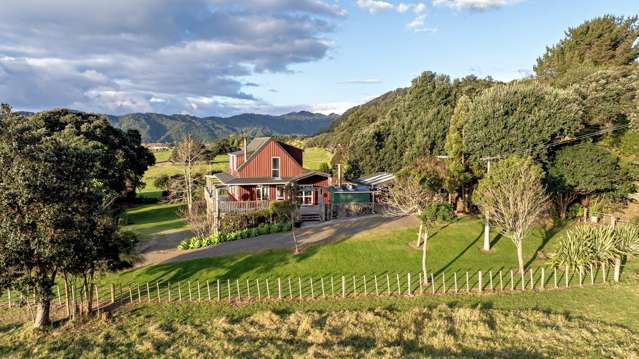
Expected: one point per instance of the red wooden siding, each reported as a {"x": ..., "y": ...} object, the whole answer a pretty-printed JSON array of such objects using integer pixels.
[{"x": 260, "y": 165}]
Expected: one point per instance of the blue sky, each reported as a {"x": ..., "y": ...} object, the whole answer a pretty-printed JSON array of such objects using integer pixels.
[{"x": 222, "y": 57}]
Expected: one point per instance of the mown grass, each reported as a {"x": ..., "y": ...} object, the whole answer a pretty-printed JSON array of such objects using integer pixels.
[
  {"x": 592, "y": 322},
  {"x": 315, "y": 156},
  {"x": 454, "y": 248},
  {"x": 151, "y": 220}
]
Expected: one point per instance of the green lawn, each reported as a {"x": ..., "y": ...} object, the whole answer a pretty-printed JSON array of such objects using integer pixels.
[
  {"x": 315, "y": 156},
  {"x": 453, "y": 248},
  {"x": 162, "y": 156},
  {"x": 151, "y": 220}
]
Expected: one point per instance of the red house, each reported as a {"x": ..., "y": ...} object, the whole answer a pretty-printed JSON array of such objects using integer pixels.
[{"x": 263, "y": 171}]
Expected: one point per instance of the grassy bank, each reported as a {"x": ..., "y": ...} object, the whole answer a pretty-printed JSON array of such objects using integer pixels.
[{"x": 591, "y": 322}]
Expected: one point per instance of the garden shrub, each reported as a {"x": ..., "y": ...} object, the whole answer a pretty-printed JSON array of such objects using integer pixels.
[
  {"x": 238, "y": 221},
  {"x": 264, "y": 228}
]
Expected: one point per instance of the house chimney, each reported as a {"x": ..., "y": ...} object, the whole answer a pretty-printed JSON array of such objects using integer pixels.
[{"x": 244, "y": 150}]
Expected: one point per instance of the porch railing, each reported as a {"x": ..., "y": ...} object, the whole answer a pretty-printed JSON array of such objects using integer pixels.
[{"x": 242, "y": 206}]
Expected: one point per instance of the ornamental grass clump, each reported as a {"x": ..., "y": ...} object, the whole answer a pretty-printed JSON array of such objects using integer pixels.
[{"x": 587, "y": 245}]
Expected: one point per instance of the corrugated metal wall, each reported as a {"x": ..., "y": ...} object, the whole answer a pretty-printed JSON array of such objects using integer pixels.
[{"x": 260, "y": 166}]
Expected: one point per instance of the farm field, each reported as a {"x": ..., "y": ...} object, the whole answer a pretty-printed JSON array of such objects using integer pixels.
[
  {"x": 601, "y": 319},
  {"x": 315, "y": 156},
  {"x": 454, "y": 248}
]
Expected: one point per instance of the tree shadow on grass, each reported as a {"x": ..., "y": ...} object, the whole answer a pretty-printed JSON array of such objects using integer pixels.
[
  {"x": 546, "y": 237},
  {"x": 452, "y": 261}
]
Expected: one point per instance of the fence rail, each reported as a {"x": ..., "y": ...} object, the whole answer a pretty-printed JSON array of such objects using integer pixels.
[
  {"x": 242, "y": 206},
  {"x": 328, "y": 286}
]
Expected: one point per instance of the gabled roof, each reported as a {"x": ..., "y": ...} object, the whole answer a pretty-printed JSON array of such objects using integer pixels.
[
  {"x": 256, "y": 145},
  {"x": 227, "y": 179}
]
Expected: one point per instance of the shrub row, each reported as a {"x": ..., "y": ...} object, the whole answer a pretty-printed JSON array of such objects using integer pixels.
[
  {"x": 264, "y": 228},
  {"x": 278, "y": 212}
]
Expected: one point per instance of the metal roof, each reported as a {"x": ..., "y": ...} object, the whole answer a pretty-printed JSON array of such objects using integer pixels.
[{"x": 376, "y": 179}]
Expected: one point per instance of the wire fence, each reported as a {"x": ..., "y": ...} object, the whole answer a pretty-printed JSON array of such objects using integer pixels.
[{"x": 250, "y": 290}]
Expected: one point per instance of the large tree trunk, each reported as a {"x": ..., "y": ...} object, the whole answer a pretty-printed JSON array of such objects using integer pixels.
[
  {"x": 424, "y": 248},
  {"x": 419, "y": 234},
  {"x": 520, "y": 256},
  {"x": 43, "y": 308}
]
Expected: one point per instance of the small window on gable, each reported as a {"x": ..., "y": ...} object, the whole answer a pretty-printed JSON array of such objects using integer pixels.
[{"x": 275, "y": 167}]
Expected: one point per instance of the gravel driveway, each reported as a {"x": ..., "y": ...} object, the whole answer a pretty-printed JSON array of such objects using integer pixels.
[{"x": 164, "y": 249}]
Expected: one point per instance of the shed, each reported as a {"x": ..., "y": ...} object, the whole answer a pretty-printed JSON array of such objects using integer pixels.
[{"x": 350, "y": 194}]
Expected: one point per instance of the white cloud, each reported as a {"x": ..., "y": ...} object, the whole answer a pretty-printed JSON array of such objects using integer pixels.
[
  {"x": 420, "y": 8},
  {"x": 474, "y": 4},
  {"x": 154, "y": 55},
  {"x": 419, "y": 24},
  {"x": 374, "y": 6},
  {"x": 402, "y": 8}
]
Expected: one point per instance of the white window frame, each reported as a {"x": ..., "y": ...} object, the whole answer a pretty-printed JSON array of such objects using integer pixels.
[
  {"x": 279, "y": 192},
  {"x": 261, "y": 193},
  {"x": 306, "y": 192},
  {"x": 279, "y": 167}
]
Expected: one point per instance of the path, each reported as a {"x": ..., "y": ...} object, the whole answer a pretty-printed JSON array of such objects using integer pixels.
[{"x": 164, "y": 249}]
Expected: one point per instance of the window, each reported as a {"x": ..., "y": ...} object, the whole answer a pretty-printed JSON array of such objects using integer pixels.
[
  {"x": 275, "y": 167},
  {"x": 279, "y": 193},
  {"x": 305, "y": 195},
  {"x": 261, "y": 193}
]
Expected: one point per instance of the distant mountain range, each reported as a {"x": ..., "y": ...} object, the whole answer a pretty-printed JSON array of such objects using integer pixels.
[{"x": 158, "y": 128}]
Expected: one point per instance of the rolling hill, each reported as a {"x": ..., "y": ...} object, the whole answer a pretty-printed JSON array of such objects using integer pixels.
[{"x": 156, "y": 128}]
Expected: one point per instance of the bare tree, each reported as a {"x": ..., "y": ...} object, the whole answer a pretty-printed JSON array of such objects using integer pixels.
[
  {"x": 513, "y": 196},
  {"x": 187, "y": 153},
  {"x": 413, "y": 192}
]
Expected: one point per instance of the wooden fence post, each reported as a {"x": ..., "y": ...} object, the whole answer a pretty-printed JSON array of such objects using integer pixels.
[
  {"x": 9, "y": 299},
  {"x": 581, "y": 270},
  {"x": 228, "y": 287},
  {"x": 543, "y": 279},
  {"x": 130, "y": 295},
  {"x": 332, "y": 287},
  {"x": 501, "y": 282},
  {"x": 408, "y": 284},
  {"x": 157, "y": 284},
  {"x": 279, "y": 288},
  {"x": 237, "y": 285},
  {"x": 112, "y": 293},
  {"x": 388, "y": 284},
  {"x": 168, "y": 289},
  {"x": 208, "y": 290},
  {"x": 139, "y": 293},
  {"x": 343, "y": 287},
  {"x": 555, "y": 277},
  {"x": 366, "y": 289},
  {"x": 592, "y": 275},
  {"x": 312, "y": 291},
  {"x": 248, "y": 289},
  {"x": 567, "y": 276},
  {"x": 490, "y": 276},
  {"x": 180, "y": 292},
  {"x": 299, "y": 283},
  {"x": 532, "y": 280},
  {"x": 218, "y": 290},
  {"x": 268, "y": 289},
  {"x": 467, "y": 284},
  {"x": 421, "y": 285},
  {"x": 603, "y": 271},
  {"x": 376, "y": 288},
  {"x": 259, "y": 293},
  {"x": 523, "y": 280},
  {"x": 290, "y": 288},
  {"x": 432, "y": 282},
  {"x": 148, "y": 292},
  {"x": 455, "y": 281},
  {"x": 444, "y": 282},
  {"x": 323, "y": 293},
  {"x": 191, "y": 296},
  {"x": 512, "y": 281},
  {"x": 479, "y": 276},
  {"x": 355, "y": 287},
  {"x": 399, "y": 288}
]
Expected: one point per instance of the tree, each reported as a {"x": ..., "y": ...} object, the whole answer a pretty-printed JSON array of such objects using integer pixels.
[
  {"x": 519, "y": 118},
  {"x": 457, "y": 166},
  {"x": 187, "y": 153},
  {"x": 600, "y": 42},
  {"x": 581, "y": 170},
  {"x": 514, "y": 197},
  {"x": 418, "y": 190},
  {"x": 58, "y": 192}
]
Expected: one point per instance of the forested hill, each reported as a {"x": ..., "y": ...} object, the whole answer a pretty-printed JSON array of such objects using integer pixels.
[
  {"x": 401, "y": 125},
  {"x": 171, "y": 128}
]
